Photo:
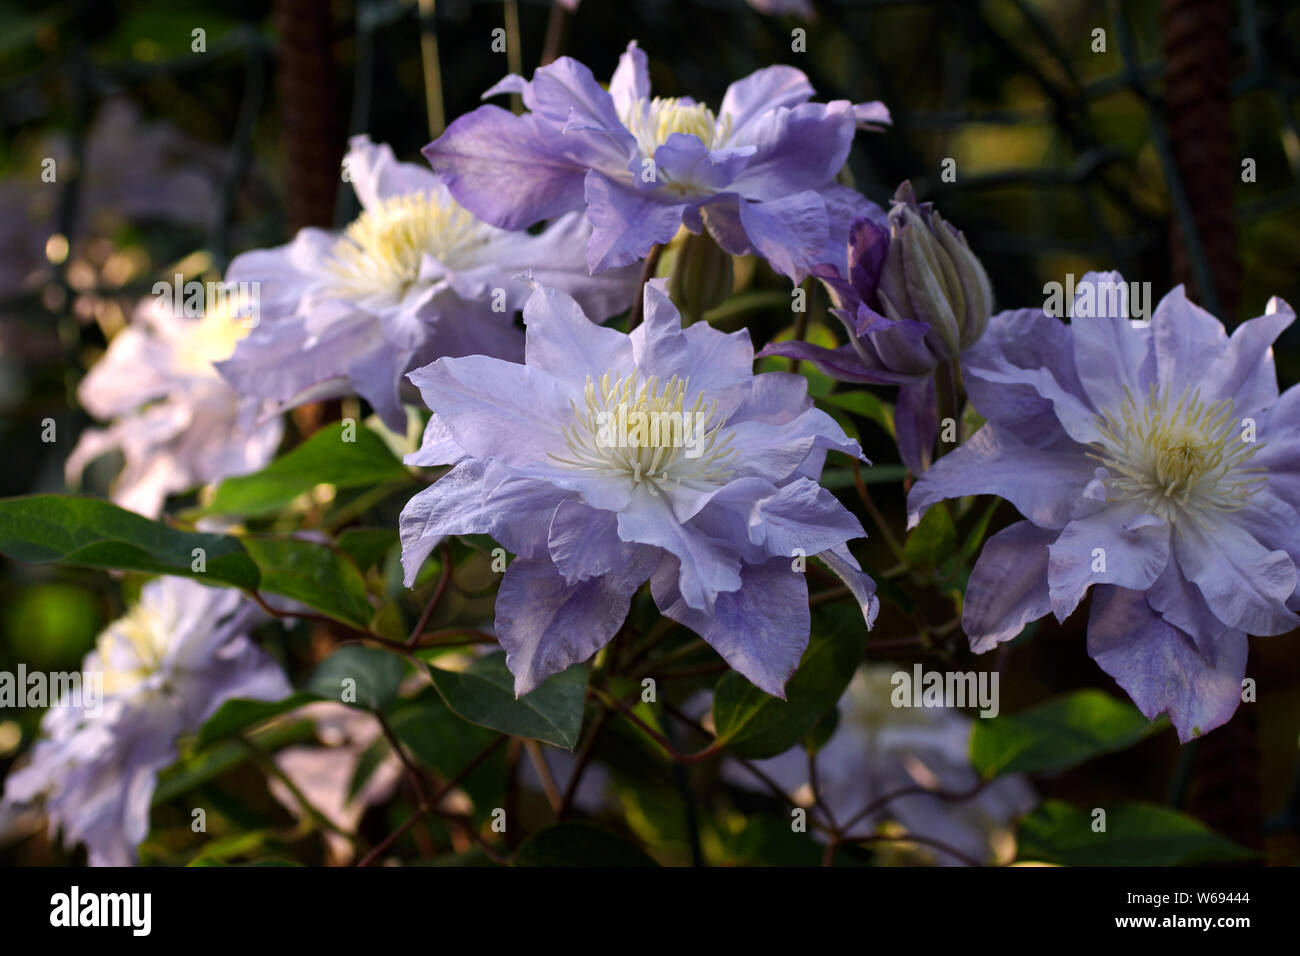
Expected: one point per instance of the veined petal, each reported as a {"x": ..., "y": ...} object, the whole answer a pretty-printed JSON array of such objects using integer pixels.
[
  {"x": 626, "y": 222},
  {"x": 763, "y": 90},
  {"x": 1008, "y": 586},
  {"x": 545, "y": 625},
  {"x": 1111, "y": 546},
  {"x": 1244, "y": 583},
  {"x": 1160, "y": 667},
  {"x": 789, "y": 232},
  {"x": 505, "y": 170},
  {"x": 568, "y": 345},
  {"x": 1043, "y": 485},
  {"x": 760, "y": 628},
  {"x": 707, "y": 567},
  {"x": 1111, "y": 355}
]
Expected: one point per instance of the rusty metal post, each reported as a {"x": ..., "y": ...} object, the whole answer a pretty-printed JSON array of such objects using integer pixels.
[{"x": 1198, "y": 107}]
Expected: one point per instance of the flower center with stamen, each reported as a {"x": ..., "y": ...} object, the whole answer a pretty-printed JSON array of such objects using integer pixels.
[
  {"x": 644, "y": 431},
  {"x": 381, "y": 251},
  {"x": 653, "y": 121},
  {"x": 132, "y": 648},
  {"x": 1184, "y": 458}
]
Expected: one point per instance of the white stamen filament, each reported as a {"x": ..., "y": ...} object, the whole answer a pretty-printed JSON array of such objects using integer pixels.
[
  {"x": 653, "y": 121},
  {"x": 381, "y": 251},
  {"x": 1184, "y": 460},
  {"x": 657, "y": 453}
]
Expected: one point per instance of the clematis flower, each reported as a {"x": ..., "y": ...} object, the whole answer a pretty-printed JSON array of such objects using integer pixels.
[
  {"x": 414, "y": 277},
  {"x": 710, "y": 511},
  {"x": 878, "y": 749},
  {"x": 1156, "y": 462},
  {"x": 176, "y": 422},
  {"x": 912, "y": 297},
  {"x": 165, "y": 667},
  {"x": 759, "y": 174}
]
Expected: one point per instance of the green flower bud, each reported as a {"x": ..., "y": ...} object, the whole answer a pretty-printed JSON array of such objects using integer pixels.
[{"x": 931, "y": 275}]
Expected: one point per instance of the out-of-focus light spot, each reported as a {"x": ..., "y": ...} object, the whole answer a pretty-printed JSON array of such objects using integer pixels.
[
  {"x": 323, "y": 494},
  {"x": 81, "y": 275},
  {"x": 56, "y": 248},
  {"x": 123, "y": 264},
  {"x": 53, "y": 297},
  {"x": 11, "y": 735},
  {"x": 195, "y": 264},
  {"x": 1291, "y": 144},
  {"x": 146, "y": 49}
]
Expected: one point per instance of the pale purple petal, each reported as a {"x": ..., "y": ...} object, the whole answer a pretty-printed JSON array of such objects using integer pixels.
[
  {"x": 760, "y": 628},
  {"x": 1159, "y": 666},
  {"x": 1110, "y": 546},
  {"x": 1244, "y": 583},
  {"x": 1043, "y": 485},
  {"x": 505, "y": 170},
  {"x": 626, "y": 223},
  {"x": 545, "y": 625},
  {"x": 1008, "y": 586}
]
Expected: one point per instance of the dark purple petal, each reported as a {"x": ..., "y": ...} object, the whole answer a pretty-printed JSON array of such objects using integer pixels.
[{"x": 916, "y": 424}]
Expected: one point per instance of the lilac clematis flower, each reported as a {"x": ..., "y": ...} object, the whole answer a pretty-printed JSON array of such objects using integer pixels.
[
  {"x": 176, "y": 422},
  {"x": 609, "y": 459},
  {"x": 912, "y": 297},
  {"x": 413, "y": 278},
  {"x": 759, "y": 174},
  {"x": 878, "y": 749},
  {"x": 1153, "y": 460},
  {"x": 165, "y": 667}
]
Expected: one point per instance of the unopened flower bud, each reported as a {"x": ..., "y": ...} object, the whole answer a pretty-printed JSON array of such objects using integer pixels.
[
  {"x": 701, "y": 277},
  {"x": 930, "y": 275}
]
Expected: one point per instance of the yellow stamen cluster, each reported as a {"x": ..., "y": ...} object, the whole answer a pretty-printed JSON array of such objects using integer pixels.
[
  {"x": 381, "y": 251},
  {"x": 645, "y": 432},
  {"x": 142, "y": 631},
  {"x": 1178, "y": 459},
  {"x": 653, "y": 121}
]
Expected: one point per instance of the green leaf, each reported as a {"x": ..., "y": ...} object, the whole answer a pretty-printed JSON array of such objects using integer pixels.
[
  {"x": 484, "y": 694},
  {"x": 580, "y": 844},
  {"x": 314, "y": 574},
  {"x": 238, "y": 714},
  {"x": 324, "y": 458},
  {"x": 867, "y": 405},
  {"x": 751, "y": 723},
  {"x": 931, "y": 541},
  {"x": 210, "y": 762},
  {"x": 976, "y": 537},
  {"x": 445, "y": 742},
  {"x": 367, "y": 546},
  {"x": 1136, "y": 834},
  {"x": 375, "y": 675},
  {"x": 1063, "y": 732},
  {"x": 90, "y": 533}
]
